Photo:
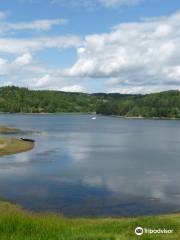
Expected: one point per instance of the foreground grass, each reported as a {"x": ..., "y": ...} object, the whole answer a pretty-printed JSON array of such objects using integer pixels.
[
  {"x": 17, "y": 224},
  {"x": 11, "y": 146}
]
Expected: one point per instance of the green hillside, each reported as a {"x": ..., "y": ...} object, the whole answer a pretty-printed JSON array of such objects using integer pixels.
[
  {"x": 16, "y": 100},
  {"x": 157, "y": 105}
]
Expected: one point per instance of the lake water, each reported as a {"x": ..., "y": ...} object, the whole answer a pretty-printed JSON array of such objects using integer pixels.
[{"x": 104, "y": 167}]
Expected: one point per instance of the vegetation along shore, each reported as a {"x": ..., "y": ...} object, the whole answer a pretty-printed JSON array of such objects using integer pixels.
[
  {"x": 10, "y": 146},
  {"x": 18, "y": 224},
  {"x": 9, "y": 130},
  {"x": 164, "y": 105}
]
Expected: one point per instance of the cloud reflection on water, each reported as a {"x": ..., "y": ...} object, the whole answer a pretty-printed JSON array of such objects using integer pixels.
[{"x": 113, "y": 162}]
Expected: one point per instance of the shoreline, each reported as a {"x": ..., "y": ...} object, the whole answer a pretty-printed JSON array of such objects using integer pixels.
[
  {"x": 143, "y": 118},
  {"x": 13, "y": 146},
  {"x": 55, "y": 113},
  {"x": 92, "y": 113},
  {"x": 57, "y": 213}
]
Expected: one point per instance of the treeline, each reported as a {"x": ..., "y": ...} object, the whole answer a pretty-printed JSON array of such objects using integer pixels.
[
  {"x": 16, "y": 100},
  {"x": 157, "y": 105},
  {"x": 22, "y": 100}
]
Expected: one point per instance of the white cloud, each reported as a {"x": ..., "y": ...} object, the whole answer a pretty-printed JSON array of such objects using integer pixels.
[
  {"x": 132, "y": 57},
  {"x": 135, "y": 57},
  {"x": 38, "y": 25},
  {"x": 19, "y": 45},
  {"x": 3, "y": 66},
  {"x": 52, "y": 81},
  {"x": 44, "y": 24},
  {"x": 22, "y": 70},
  {"x": 16, "y": 66},
  {"x": 41, "y": 82},
  {"x": 73, "y": 88},
  {"x": 24, "y": 59}
]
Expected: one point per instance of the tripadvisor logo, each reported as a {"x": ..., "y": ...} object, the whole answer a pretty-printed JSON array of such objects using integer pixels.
[{"x": 139, "y": 231}]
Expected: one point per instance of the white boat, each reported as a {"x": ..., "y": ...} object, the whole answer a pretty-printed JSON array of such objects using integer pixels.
[{"x": 93, "y": 118}]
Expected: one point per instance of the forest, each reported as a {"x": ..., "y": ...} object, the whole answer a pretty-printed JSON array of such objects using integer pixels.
[{"x": 155, "y": 105}]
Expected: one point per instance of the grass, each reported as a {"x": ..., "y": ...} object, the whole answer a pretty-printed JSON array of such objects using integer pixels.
[
  {"x": 18, "y": 224},
  {"x": 4, "y": 129},
  {"x": 11, "y": 146}
]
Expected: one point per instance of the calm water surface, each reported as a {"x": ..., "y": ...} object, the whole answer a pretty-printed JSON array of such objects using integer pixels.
[{"x": 106, "y": 167}]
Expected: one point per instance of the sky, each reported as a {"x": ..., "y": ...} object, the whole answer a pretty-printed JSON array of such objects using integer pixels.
[{"x": 124, "y": 46}]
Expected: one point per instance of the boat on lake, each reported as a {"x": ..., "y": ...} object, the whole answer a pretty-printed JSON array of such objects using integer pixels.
[{"x": 27, "y": 140}]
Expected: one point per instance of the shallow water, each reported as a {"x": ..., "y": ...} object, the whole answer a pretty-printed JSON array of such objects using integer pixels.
[{"x": 104, "y": 167}]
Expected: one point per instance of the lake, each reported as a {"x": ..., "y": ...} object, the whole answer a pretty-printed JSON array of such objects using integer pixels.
[{"x": 104, "y": 167}]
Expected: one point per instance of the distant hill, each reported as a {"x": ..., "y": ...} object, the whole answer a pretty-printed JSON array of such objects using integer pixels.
[
  {"x": 21, "y": 100},
  {"x": 154, "y": 105}
]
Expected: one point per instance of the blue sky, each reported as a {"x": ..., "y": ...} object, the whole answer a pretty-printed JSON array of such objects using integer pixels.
[{"x": 126, "y": 46}]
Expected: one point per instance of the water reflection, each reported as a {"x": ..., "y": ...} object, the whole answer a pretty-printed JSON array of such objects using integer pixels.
[{"x": 105, "y": 167}]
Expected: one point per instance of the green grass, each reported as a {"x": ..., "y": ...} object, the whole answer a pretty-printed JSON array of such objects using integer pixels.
[
  {"x": 11, "y": 146},
  {"x": 17, "y": 224}
]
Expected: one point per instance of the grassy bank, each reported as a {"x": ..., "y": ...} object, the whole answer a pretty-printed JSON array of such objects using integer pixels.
[
  {"x": 11, "y": 146},
  {"x": 4, "y": 129},
  {"x": 17, "y": 224}
]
